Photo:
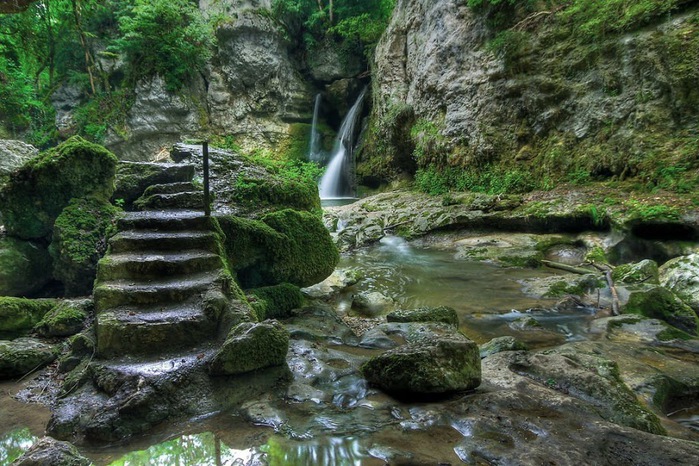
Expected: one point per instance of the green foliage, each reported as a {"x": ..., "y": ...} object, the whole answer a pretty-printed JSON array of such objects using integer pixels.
[
  {"x": 43, "y": 187},
  {"x": 168, "y": 38},
  {"x": 79, "y": 241},
  {"x": 104, "y": 110},
  {"x": 429, "y": 142},
  {"x": 651, "y": 212},
  {"x": 490, "y": 180}
]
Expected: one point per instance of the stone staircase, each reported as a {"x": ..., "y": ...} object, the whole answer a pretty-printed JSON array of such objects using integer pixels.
[{"x": 151, "y": 287}]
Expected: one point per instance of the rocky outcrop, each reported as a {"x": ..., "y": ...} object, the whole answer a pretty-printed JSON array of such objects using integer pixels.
[
  {"x": 24, "y": 355},
  {"x": 13, "y": 154},
  {"x": 681, "y": 275},
  {"x": 543, "y": 101},
  {"x": 251, "y": 346},
  {"x": 25, "y": 266},
  {"x": 47, "y": 451},
  {"x": 18, "y": 315}
]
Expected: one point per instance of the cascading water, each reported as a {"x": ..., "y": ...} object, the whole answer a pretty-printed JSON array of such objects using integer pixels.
[
  {"x": 335, "y": 183},
  {"x": 315, "y": 155}
]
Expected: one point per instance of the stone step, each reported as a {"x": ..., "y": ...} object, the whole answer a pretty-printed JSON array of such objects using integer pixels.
[
  {"x": 122, "y": 331},
  {"x": 170, "y": 188},
  {"x": 151, "y": 264},
  {"x": 164, "y": 220},
  {"x": 154, "y": 367},
  {"x": 182, "y": 200},
  {"x": 147, "y": 240},
  {"x": 121, "y": 292}
]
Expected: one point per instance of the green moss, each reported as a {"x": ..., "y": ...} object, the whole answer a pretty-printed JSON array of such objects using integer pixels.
[
  {"x": 672, "y": 333},
  {"x": 43, "y": 187},
  {"x": 277, "y": 191},
  {"x": 285, "y": 246},
  {"x": 297, "y": 144},
  {"x": 67, "y": 318},
  {"x": 661, "y": 303},
  {"x": 273, "y": 302},
  {"x": 19, "y": 315},
  {"x": 645, "y": 271},
  {"x": 250, "y": 347},
  {"x": 80, "y": 239},
  {"x": 442, "y": 314},
  {"x": 596, "y": 255},
  {"x": 578, "y": 287}
]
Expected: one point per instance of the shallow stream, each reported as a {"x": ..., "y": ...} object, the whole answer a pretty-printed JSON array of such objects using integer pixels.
[{"x": 353, "y": 426}]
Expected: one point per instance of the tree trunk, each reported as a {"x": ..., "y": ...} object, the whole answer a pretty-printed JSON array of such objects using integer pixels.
[{"x": 89, "y": 61}]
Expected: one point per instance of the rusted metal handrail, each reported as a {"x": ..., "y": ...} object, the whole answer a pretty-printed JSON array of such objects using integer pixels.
[{"x": 207, "y": 195}]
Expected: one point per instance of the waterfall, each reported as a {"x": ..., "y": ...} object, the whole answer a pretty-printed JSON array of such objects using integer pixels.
[
  {"x": 335, "y": 182},
  {"x": 315, "y": 154}
]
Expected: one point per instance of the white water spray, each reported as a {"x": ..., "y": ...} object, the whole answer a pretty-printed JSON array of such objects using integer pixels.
[{"x": 334, "y": 184}]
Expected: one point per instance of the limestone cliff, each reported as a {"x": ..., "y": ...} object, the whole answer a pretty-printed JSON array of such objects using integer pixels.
[{"x": 450, "y": 92}]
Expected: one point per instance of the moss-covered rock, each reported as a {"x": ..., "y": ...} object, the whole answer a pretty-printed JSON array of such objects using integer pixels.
[
  {"x": 500, "y": 344},
  {"x": 23, "y": 355},
  {"x": 66, "y": 319},
  {"x": 285, "y": 246},
  {"x": 43, "y": 187},
  {"x": 274, "y": 302},
  {"x": 442, "y": 314},
  {"x": 251, "y": 346},
  {"x": 440, "y": 366},
  {"x": 661, "y": 303},
  {"x": 133, "y": 178},
  {"x": 278, "y": 192},
  {"x": 645, "y": 271},
  {"x": 79, "y": 241},
  {"x": 681, "y": 276},
  {"x": 19, "y": 315},
  {"x": 25, "y": 267}
]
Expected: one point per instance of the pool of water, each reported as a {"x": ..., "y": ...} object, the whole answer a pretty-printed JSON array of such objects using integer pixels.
[
  {"x": 487, "y": 298},
  {"x": 343, "y": 431}
]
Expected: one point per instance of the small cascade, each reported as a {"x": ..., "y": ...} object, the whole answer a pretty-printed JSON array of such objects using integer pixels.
[
  {"x": 315, "y": 154},
  {"x": 336, "y": 182}
]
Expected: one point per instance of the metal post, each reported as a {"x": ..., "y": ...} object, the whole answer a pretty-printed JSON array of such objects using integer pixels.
[{"x": 207, "y": 203}]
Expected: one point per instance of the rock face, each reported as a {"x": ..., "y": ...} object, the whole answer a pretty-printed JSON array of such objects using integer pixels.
[
  {"x": 25, "y": 266},
  {"x": 661, "y": 303},
  {"x": 433, "y": 63},
  {"x": 13, "y": 154}
]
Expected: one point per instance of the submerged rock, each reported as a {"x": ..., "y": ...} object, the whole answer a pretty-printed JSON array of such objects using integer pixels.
[
  {"x": 661, "y": 303},
  {"x": 49, "y": 452},
  {"x": 23, "y": 355},
  {"x": 446, "y": 365},
  {"x": 443, "y": 314},
  {"x": 251, "y": 346}
]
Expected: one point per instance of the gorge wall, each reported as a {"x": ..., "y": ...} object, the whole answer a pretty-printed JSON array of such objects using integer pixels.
[{"x": 541, "y": 96}]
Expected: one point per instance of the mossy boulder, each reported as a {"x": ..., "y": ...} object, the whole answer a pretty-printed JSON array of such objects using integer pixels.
[
  {"x": 448, "y": 364},
  {"x": 23, "y": 355},
  {"x": 25, "y": 267},
  {"x": 278, "y": 192},
  {"x": 274, "y": 302},
  {"x": 39, "y": 191},
  {"x": 18, "y": 315},
  {"x": 285, "y": 246},
  {"x": 79, "y": 241},
  {"x": 645, "y": 271},
  {"x": 133, "y": 178},
  {"x": 66, "y": 319},
  {"x": 500, "y": 344},
  {"x": 251, "y": 346},
  {"x": 444, "y": 314},
  {"x": 661, "y": 303},
  {"x": 681, "y": 276}
]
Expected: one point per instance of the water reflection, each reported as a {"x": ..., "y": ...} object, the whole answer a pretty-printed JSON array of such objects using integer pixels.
[{"x": 14, "y": 443}]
